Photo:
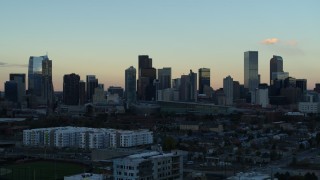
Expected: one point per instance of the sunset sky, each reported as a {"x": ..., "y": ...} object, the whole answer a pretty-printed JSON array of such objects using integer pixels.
[{"x": 104, "y": 37}]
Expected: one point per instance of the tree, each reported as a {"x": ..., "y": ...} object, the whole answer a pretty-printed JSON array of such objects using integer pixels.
[
  {"x": 169, "y": 143},
  {"x": 318, "y": 138}
]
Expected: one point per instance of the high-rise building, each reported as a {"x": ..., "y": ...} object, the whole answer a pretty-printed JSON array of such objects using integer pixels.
[
  {"x": 144, "y": 62},
  {"x": 40, "y": 84},
  {"x": 188, "y": 87},
  {"x": 302, "y": 84},
  {"x": 20, "y": 79},
  {"x": 276, "y": 65},
  {"x": 82, "y": 92},
  {"x": 317, "y": 87},
  {"x": 164, "y": 77},
  {"x": 130, "y": 85},
  {"x": 11, "y": 91},
  {"x": 251, "y": 79},
  {"x": 204, "y": 79},
  {"x": 228, "y": 89},
  {"x": 236, "y": 90},
  {"x": 71, "y": 89},
  {"x": 47, "y": 85},
  {"x": 35, "y": 75},
  {"x": 92, "y": 83},
  {"x": 147, "y": 74}
]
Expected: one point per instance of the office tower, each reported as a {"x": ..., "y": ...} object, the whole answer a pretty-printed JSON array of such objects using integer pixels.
[
  {"x": 147, "y": 74},
  {"x": 228, "y": 89},
  {"x": 71, "y": 89},
  {"x": 11, "y": 91},
  {"x": 116, "y": 90},
  {"x": 236, "y": 90},
  {"x": 204, "y": 79},
  {"x": 276, "y": 65},
  {"x": 99, "y": 95},
  {"x": 290, "y": 82},
  {"x": 35, "y": 75},
  {"x": 302, "y": 84},
  {"x": 251, "y": 80},
  {"x": 130, "y": 85},
  {"x": 47, "y": 85},
  {"x": 193, "y": 86},
  {"x": 188, "y": 87},
  {"x": 82, "y": 92},
  {"x": 164, "y": 77},
  {"x": 176, "y": 83},
  {"x": 20, "y": 79},
  {"x": 317, "y": 87},
  {"x": 92, "y": 83},
  {"x": 144, "y": 62},
  {"x": 40, "y": 85}
]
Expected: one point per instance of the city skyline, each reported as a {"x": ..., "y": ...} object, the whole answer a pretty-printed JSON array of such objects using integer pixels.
[{"x": 182, "y": 35}]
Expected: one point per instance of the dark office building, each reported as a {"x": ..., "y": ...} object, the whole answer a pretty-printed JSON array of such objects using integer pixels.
[
  {"x": 290, "y": 82},
  {"x": 302, "y": 84},
  {"x": 20, "y": 79},
  {"x": 317, "y": 87},
  {"x": 204, "y": 79},
  {"x": 236, "y": 90},
  {"x": 188, "y": 87},
  {"x": 71, "y": 89},
  {"x": 92, "y": 83},
  {"x": 11, "y": 91},
  {"x": 144, "y": 62},
  {"x": 276, "y": 65},
  {"x": 147, "y": 74},
  {"x": 82, "y": 92},
  {"x": 164, "y": 77}
]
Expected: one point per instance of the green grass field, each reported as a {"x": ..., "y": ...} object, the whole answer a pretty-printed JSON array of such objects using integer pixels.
[{"x": 40, "y": 170}]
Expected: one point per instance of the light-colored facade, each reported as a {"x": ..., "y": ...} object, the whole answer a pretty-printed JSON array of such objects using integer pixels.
[
  {"x": 86, "y": 138},
  {"x": 260, "y": 97},
  {"x": 150, "y": 165},
  {"x": 311, "y": 104}
]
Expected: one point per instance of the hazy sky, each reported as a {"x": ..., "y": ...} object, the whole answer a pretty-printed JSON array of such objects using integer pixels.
[{"x": 105, "y": 37}]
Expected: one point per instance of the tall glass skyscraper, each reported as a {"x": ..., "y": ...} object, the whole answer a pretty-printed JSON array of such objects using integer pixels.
[
  {"x": 204, "y": 79},
  {"x": 35, "y": 75},
  {"x": 130, "y": 85},
  {"x": 251, "y": 79},
  {"x": 40, "y": 80}
]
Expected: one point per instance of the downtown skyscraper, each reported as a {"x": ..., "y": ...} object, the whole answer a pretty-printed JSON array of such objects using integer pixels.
[
  {"x": 40, "y": 86},
  {"x": 164, "y": 77},
  {"x": 92, "y": 83},
  {"x": 251, "y": 77},
  {"x": 146, "y": 76},
  {"x": 20, "y": 79},
  {"x": 130, "y": 85},
  {"x": 71, "y": 89},
  {"x": 276, "y": 66},
  {"x": 204, "y": 79}
]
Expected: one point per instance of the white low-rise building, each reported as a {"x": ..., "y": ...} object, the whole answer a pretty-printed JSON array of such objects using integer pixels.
[
  {"x": 86, "y": 138},
  {"x": 150, "y": 165}
]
